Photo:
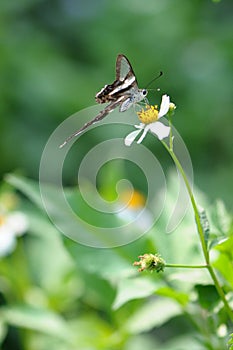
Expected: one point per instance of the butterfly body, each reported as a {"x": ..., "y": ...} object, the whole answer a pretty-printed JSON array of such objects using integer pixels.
[{"x": 122, "y": 93}]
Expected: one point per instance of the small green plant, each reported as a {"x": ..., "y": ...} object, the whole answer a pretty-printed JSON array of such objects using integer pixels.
[{"x": 55, "y": 292}]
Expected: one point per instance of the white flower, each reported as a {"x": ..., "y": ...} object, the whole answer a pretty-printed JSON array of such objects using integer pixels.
[
  {"x": 11, "y": 225},
  {"x": 133, "y": 206},
  {"x": 150, "y": 117}
]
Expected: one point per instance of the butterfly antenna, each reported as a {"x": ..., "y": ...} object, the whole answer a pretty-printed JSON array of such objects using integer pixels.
[{"x": 157, "y": 77}]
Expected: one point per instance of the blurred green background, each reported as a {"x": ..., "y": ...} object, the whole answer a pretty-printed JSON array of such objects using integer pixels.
[{"x": 55, "y": 56}]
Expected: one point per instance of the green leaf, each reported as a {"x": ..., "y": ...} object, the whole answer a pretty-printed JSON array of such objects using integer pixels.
[
  {"x": 49, "y": 261},
  {"x": 224, "y": 262},
  {"x": 134, "y": 288},
  {"x": 230, "y": 342},
  {"x": 107, "y": 263},
  {"x": 222, "y": 220},
  {"x": 73, "y": 215},
  {"x": 153, "y": 314},
  {"x": 224, "y": 265},
  {"x": 93, "y": 332},
  {"x": 142, "y": 341},
  {"x": 36, "y": 319},
  {"x": 181, "y": 298},
  {"x": 3, "y": 331},
  {"x": 188, "y": 278},
  {"x": 207, "y": 296},
  {"x": 29, "y": 187},
  {"x": 226, "y": 247},
  {"x": 181, "y": 245},
  {"x": 89, "y": 332},
  {"x": 183, "y": 342}
]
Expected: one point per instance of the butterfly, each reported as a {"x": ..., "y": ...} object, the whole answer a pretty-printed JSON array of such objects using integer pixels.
[{"x": 122, "y": 93}]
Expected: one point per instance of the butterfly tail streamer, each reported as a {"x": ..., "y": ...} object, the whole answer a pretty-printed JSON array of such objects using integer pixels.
[{"x": 99, "y": 117}]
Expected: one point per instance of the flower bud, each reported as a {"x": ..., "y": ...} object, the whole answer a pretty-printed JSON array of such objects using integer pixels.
[
  {"x": 150, "y": 262},
  {"x": 171, "y": 110}
]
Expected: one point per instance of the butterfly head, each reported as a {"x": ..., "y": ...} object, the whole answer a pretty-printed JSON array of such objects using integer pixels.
[
  {"x": 141, "y": 95},
  {"x": 144, "y": 92}
]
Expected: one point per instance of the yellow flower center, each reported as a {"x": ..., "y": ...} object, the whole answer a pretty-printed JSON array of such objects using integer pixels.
[
  {"x": 2, "y": 220},
  {"x": 149, "y": 114},
  {"x": 135, "y": 200}
]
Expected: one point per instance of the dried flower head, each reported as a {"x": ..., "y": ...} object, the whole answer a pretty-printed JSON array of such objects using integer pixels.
[{"x": 150, "y": 262}]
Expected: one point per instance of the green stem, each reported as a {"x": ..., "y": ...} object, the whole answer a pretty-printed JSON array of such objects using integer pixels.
[
  {"x": 170, "y": 134},
  {"x": 200, "y": 231},
  {"x": 194, "y": 205},
  {"x": 187, "y": 266}
]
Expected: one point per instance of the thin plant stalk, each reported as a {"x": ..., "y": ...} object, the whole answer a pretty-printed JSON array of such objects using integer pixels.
[{"x": 199, "y": 228}]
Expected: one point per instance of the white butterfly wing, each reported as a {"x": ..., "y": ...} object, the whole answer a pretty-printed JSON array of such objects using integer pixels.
[{"x": 123, "y": 68}]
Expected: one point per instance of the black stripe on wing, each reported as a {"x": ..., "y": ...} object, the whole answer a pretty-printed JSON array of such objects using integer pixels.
[
  {"x": 125, "y": 80},
  {"x": 108, "y": 109}
]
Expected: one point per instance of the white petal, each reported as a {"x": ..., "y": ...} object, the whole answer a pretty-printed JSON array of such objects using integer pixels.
[
  {"x": 164, "y": 107},
  {"x": 131, "y": 137},
  {"x": 140, "y": 126},
  {"x": 18, "y": 223},
  {"x": 145, "y": 131},
  {"x": 160, "y": 130},
  {"x": 7, "y": 242}
]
